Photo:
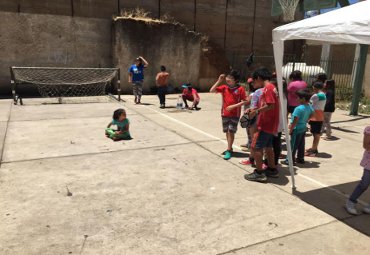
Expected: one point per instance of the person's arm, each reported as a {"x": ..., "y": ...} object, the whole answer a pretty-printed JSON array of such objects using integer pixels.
[
  {"x": 366, "y": 142},
  {"x": 167, "y": 79},
  {"x": 129, "y": 77},
  {"x": 233, "y": 106},
  {"x": 110, "y": 124},
  {"x": 218, "y": 82},
  {"x": 156, "y": 79},
  {"x": 265, "y": 108},
  {"x": 145, "y": 63},
  {"x": 293, "y": 124}
]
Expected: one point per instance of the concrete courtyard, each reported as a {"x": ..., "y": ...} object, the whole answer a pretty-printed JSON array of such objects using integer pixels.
[{"x": 67, "y": 189}]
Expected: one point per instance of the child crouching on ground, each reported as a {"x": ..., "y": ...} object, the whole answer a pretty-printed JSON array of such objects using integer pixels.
[
  {"x": 122, "y": 123},
  {"x": 190, "y": 94}
]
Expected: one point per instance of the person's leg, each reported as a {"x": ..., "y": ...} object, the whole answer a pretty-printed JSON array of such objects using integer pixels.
[
  {"x": 316, "y": 140},
  {"x": 135, "y": 91},
  {"x": 124, "y": 136},
  {"x": 184, "y": 98},
  {"x": 163, "y": 95},
  {"x": 277, "y": 147},
  {"x": 362, "y": 186},
  {"x": 300, "y": 147},
  {"x": 230, "y": 140},
  {"x": 328, "y": 124},
  {"x": 316, "y": 133},
  {"x": 139, "y": 92}
]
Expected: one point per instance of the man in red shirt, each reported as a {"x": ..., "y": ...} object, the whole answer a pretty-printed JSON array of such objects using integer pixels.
[
  {"x": 233, "y": 97},
  {"x": 267, "y": 123}
]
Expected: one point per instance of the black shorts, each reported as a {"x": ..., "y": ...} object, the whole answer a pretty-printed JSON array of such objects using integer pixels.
[{"x": 315, "y": 127}]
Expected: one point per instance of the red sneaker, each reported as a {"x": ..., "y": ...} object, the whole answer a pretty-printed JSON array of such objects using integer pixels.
[{"x": 246, "y": 162}]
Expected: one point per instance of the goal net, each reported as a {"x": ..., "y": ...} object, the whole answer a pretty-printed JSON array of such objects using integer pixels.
[{"x": 57, "y": 82}]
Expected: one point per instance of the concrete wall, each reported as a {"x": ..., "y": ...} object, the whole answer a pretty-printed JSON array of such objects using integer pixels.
[
  {"x": 187, "y": 56},
  {"x": 228, "y": 23},
  {"x": 52, "y": 40}
]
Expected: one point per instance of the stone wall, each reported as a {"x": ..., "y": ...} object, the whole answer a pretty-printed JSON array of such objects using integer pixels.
[
  {"x": 187, "y": 55},
  {"x": 52, "y": 40},
  {"x": 237, "y": 26}
]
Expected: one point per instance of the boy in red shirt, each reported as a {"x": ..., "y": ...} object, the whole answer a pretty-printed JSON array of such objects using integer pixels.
[
  {"x": 267, "y": 124},
  {"x": 233, "y": 97}
]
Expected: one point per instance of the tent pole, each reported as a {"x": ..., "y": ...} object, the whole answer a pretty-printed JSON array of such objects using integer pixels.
[
  {"x": 278, "y": 54},
  {"x": 359, "y": 76}
]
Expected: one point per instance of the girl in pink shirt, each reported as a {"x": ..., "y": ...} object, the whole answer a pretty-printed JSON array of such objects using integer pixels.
[
  {"x": 365, "y": 180},
  {"x": 296, "y": 84}
]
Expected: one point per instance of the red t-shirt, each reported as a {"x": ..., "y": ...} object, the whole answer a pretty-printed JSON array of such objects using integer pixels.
[
  {"x": 191, "y": 94},
  {"x": 268, "y": 121},
  {"x": 231, "y": 96}
]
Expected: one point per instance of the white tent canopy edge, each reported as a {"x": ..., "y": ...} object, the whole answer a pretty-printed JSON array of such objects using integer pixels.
[{"x": 349, "y": 24}]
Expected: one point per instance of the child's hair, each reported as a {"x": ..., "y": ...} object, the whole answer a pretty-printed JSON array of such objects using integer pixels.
[
  {"x": 139, "y": 59},
  {"x": 118, "y": 113},
  {"x": 163, "y": 68},
  {"x": 262, "y": 73},
  {"x": 296, "y": 75},
  {"x": 304, "y": 93},
  {"x": 318, "y": 85},
  {"x": 321, "y": 77},
  {"x": 235, "y": 74},
  {"x": 250, "y": 85},
  {"x": 330, "y": 85}
]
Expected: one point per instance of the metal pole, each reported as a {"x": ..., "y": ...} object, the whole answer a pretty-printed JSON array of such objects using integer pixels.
[
  {"x": 119, "y": 85},
  {"x": 13, "y": 86},
  {"x": 359, "y": 77}
]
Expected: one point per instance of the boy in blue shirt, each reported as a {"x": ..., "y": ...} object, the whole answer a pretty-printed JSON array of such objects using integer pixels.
[
  {"x": 136, "y": 77},
  {"x": 297, "y": 127}
]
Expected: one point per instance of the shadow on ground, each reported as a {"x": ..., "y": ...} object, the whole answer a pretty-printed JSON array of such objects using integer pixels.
[{"x": 330, "y": 202}]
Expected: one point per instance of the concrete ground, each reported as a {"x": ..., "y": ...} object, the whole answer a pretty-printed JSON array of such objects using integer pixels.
[{"x": 66, "y": 189}]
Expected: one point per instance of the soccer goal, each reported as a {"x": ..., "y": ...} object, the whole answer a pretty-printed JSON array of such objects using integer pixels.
[{"x": 62, "y": 83}]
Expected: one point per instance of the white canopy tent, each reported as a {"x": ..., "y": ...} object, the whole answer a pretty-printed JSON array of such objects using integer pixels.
[{"x": 349, "y": 24}]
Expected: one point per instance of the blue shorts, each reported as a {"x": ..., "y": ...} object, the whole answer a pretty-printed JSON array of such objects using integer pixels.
[{"x": 262, "y": 140}]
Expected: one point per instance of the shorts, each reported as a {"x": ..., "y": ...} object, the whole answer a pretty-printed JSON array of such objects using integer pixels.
[
  {"x": 262, "y": 140},
  {"x": 190, "y": 98},
  {"x": 291, "y": 108},
  {"x": 315, "y": 127},
  {"x": 230, "y": 124}
]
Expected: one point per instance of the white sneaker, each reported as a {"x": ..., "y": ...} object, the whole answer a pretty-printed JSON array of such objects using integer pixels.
[
  {"x": 366, "y": 209},
  {"x": 351, "y": 207}
]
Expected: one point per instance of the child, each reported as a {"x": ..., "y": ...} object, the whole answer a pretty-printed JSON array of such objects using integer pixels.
[
  {"x": 267, "y": 124},
  {"x": 161, "y": 81},
  {"x": 233, "y": 97},
  {"x": 329, "y": 108},
  {"x": 297, "y": 127},
  {"x": 246, "y": 147},
  {"x": 258, "y": 89},
  {"x": 122, "y": 123},
  {"x": 190, "y": 94},
  {"x": 136, "y": 77},
  {"x": 296, "y": 83},
  {"x": 318, "y": 101},
  {"x": 365, "y": 180}
]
